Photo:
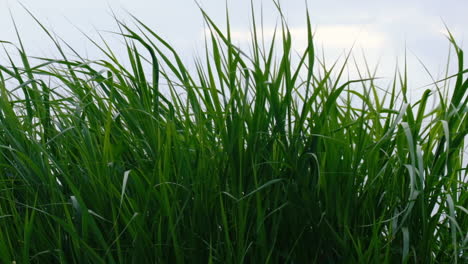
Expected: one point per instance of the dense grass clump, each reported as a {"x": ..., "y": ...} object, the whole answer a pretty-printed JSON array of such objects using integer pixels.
[{"x": 246, "y": 158}]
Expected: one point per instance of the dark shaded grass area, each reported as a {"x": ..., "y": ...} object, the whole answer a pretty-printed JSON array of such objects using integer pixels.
[{"x": 248, "y": 158}]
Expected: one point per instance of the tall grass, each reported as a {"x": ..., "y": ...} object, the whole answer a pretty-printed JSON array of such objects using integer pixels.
[{"x": 246, "y": 158}]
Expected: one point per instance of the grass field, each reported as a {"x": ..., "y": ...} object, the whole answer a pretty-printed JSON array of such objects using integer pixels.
[{"x": 249, "y": 157}]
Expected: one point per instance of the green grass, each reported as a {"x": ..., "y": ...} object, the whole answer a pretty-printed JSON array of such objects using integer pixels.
[{"x": 246, "y": 158}]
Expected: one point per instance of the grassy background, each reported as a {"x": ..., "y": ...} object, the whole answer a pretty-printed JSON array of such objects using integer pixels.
[{"x": 247, "y": 158}]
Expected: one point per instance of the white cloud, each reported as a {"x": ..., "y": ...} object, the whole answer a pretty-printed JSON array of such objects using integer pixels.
[
  {"x": 331, "y": 36},
  {"x": 344, "y": 36}
]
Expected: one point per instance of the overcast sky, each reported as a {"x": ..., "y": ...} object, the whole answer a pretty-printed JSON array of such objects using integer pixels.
[{"x": 382, "y": 29}]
